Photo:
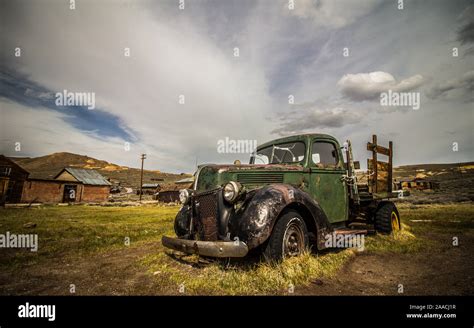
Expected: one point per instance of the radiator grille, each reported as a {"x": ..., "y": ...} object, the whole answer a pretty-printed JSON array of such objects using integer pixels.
[
  {"x": 259, "y": 178},
  {"x": 206, "y": 213}
]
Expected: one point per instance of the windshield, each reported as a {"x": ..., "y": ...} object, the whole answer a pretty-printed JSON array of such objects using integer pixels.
[{"x": 292, "y": 152}]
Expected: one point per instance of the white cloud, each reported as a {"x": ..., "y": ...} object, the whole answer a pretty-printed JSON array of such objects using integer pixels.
[
  {"x": 38, "y": 131},
  {"x": 314, "y": 117},
  {"x": 368, "y": 86},
  {"x": 83, "y": 50},
  {"x": 189, "y": 52}
]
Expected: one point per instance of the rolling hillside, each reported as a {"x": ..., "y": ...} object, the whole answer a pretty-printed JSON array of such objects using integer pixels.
[
  {"x": 455, "y": 179},
  {"x": 46, "y": 167}
]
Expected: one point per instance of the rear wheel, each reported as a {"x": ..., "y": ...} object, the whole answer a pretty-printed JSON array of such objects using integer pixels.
[
  {"x": 289, "y": 237},
  {"x": 387, "y": 218}
]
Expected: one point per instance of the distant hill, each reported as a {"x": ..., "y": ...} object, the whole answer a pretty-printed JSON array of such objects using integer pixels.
[
  {"x": 433, "y": 171},
  {"x": 47, "y": 167},
  {"x": 455, "y": 177}
]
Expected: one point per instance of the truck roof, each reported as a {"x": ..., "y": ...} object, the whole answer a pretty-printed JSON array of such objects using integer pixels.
[{"x": 298, "y": 137}]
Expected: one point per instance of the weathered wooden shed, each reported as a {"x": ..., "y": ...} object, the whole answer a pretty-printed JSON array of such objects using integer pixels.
[
  {"x": 12, "y": 179},
  {"x": 37, "y": 190},
  {"x": 71, "y": 185},
  {"x": 95, "y": 188},
  {"x": 149, "y": 188},
  {"x": 418, "y": 183}
]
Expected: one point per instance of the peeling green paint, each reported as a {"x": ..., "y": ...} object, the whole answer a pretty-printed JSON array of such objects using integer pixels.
[{"x": 323, "y": 184}]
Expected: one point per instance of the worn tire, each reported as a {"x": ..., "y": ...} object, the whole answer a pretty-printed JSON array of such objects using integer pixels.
[
  {"x": 387, "y": 218},
  {"x": 290, "y": 227}
]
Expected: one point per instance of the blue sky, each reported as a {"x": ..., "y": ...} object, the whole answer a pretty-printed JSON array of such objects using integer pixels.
[
  {"x": 190, "y": 53},
  {"x": 21, "y": 90}
]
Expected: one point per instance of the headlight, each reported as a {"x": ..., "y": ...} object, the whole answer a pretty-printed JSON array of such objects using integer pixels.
[
  {"x": 231, "y": 191},
  {"x": 183, "y": 196}
]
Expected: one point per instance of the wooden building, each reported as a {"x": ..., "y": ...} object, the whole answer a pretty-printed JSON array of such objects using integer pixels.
[
  {"x": 149, "y": 188},
  {"x": 69, "y": 185},
  {"x": 94, "y": 187},
  {"x": 169, "y": 192},
  {"x": 12, "y": 179},
  {"x": 50, "y": 191},
  {"x": 418, "y": 184}
]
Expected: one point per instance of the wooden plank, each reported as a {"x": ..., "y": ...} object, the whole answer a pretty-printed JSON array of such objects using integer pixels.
[
  {"x": 381, "y": 166},
  {"x": 382, "y": 185},
  {"x": 378, "y": 149},
  {"x": 374, "y": 158},
  {"x": 382, "y": 176},
  {"x": 390, "y": 166}
]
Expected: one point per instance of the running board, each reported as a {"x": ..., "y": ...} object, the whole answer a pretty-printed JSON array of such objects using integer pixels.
[{"x": 347, "y": 231}]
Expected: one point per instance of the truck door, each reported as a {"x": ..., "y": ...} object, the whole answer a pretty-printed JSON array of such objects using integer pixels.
[{"x": 326, "y": 184}]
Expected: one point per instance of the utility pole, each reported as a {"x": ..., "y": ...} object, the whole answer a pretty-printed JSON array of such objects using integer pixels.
[{"x": 141, "y": 176}]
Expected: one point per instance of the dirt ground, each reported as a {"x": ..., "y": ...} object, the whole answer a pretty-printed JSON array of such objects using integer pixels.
[{"x": 448, "y": 271}]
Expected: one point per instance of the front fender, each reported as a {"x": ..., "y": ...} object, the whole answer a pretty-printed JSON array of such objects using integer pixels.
[
  {"x": 182, "y": 222},
  {"x": 254, "y": 222}
]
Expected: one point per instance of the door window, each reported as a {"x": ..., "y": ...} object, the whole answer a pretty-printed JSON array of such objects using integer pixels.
[{"x": 324, "y": 154}]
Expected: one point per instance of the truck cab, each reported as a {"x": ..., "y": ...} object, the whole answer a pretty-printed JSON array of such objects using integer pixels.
[
  {"x": 324, "y": 169},
  {"x": 293, "y": 194}
]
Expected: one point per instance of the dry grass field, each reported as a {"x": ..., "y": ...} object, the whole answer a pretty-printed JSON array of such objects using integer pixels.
[{"x": 117, "y": 251}]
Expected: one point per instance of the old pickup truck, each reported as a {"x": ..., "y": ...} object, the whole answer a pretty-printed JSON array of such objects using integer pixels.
[{"x": 293, "y": 194}]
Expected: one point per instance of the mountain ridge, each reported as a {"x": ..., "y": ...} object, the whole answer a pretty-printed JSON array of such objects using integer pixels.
[{"x": 48, "y": 166}]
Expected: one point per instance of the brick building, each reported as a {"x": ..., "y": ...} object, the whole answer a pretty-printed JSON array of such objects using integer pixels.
[{"x": 69, "y": 185}]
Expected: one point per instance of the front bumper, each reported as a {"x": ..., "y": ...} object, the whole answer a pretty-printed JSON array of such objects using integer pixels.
[{"x": 207, "y": 248}]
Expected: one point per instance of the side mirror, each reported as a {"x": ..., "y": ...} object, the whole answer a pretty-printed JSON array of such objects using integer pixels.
[
  {"x": 357, "y": 165},
  {"x": 316, "y": 159}
]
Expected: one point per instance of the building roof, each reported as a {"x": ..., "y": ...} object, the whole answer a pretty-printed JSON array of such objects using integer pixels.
[
  {"x": 88, "y": 177},
  {"x": 9, "y": 162},
  {"x": 185, "y": 180},
  {"x": 150, "y": 185},
  {"x": 54, "y": 180}
]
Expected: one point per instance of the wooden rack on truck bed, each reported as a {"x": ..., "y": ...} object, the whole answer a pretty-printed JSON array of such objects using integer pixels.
[{"x": 379, "y": 174}]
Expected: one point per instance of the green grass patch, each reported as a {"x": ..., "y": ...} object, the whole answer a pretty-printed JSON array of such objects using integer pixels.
[
  {"x": 438, "y": 218},
  {"x": 83, "y": 230},
  {"x": 218, "y": 278},
  {"x": 403, "y": 241}
]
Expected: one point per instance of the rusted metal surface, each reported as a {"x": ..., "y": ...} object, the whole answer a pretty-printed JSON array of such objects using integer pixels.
[
  {"x": 205, "y": 207},
  {"x": 255, "y": 223},
  {"x": 207, "y": 248},
  {"x": 319, "y": 193}
]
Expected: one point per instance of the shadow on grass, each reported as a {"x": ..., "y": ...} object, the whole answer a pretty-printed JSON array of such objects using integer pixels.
[{"x": 245, "y": 264}]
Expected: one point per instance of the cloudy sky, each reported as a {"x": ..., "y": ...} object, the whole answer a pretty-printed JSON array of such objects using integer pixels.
[{"x": 302, "y": 66}]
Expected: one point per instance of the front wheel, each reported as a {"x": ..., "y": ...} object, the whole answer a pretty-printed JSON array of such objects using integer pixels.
[{"x": 289, "y": 237}]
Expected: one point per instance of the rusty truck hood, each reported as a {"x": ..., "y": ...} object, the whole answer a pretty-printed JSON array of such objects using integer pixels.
[
  {"x": 256, "y": 167},
  {"x": 212, "y": 176}
]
